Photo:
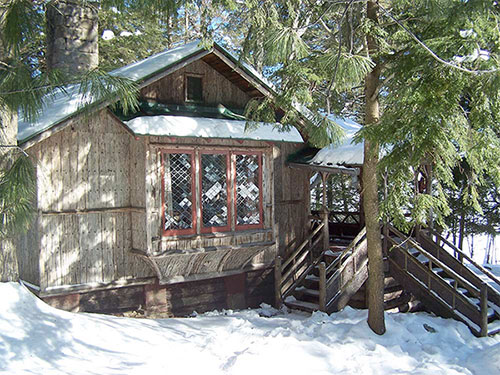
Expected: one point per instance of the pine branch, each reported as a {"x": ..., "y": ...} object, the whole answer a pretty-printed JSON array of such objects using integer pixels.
[{"x": 432, "y": 53}]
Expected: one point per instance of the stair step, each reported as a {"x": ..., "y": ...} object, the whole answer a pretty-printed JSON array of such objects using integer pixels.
[
  {"x": 437, "y": 270},
  {"x": 494, "y": 327},
  {"x": 449, "y": 281},
  {"x": 413, "y": 251},
  {"x": 312, "y": 277},
  {"x": 308, "y": 291},
  {"x": 302, "y": 305},
  {"x": 422, "y": 258}
]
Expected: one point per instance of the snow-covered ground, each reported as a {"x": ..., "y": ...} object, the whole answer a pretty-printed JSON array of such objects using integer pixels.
[{"x": 38, "y": 339}]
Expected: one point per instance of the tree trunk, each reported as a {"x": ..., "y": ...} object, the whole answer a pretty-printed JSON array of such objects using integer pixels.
[{"x": 370, "y": 201}]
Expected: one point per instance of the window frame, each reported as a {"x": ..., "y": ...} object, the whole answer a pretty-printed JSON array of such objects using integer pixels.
[
  {"x": 229, "y": 182},
  {"x": 197, "y": 190},
  {"x": 194, "y": 216},
  {"x": 235, "y": 188},
  {"x": 186, "y": 77}
]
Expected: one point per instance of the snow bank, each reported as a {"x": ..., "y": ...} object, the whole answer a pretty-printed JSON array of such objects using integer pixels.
[{"x": 37, "y": 339}]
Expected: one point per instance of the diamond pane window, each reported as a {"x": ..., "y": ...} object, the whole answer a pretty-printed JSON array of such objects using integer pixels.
[
  {"x": 178, "y": 192},
  {"x": 214, "y": 202},
  {"x": 248, "y": 189}
]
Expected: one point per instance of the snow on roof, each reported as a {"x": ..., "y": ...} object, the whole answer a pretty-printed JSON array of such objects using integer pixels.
[
  {"x": 182, "y": 126},
  {"x": 61, "y": 105},
  {"x": 140, "y": 70},
  {"x": 347, "y": 153}
]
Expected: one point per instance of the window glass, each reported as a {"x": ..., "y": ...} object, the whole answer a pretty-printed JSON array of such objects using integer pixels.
[
  {"x": 214, "y": 209},
  {"x": 248, "y": 189},
  {"x": 178, "y": 193},
  {"x": 194, "y": 89}
]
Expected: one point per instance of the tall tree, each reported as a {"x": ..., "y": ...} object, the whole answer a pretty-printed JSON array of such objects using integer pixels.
[{"x": 370, "y": 185}]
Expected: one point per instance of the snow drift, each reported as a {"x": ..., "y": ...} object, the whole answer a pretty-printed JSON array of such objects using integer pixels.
[{"x": 38, "y": 339}]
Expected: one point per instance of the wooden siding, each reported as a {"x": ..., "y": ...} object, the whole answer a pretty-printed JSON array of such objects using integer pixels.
[
  {"x": 238, "y": 291},
  {"x": 216, "y": 88},
  {"x": 85, "y": 204},
  {"x": 291, "y": 196}
]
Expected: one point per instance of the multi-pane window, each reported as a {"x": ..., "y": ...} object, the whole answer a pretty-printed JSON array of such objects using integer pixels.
[
  {"x": 214, "y": 194},
  {"x": 248, "y": 189},
  {"x": 211, "y": 191},
  {"x": 178, "y": 197}
]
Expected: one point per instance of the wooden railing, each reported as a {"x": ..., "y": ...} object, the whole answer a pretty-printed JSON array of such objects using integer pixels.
[
  {"x": 459, "y": 255},
  {"x": 347, "y": 268},
  {"x": 290, "y": 272},
  {"x": 344, "y": 217},
  {"x": 444, "y": 294}
]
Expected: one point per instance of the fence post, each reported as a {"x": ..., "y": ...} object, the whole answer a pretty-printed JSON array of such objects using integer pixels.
[
  {"x": 277, "y": 283},
  {"x": 322, "y": 287},
  {"x": 484, "y": 310},
  {"x": 326, "y": 231}
]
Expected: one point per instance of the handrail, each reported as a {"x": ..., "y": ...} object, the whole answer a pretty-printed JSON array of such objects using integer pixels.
[
  {"x": 482, "y": 310},
  {"x": 346, "y": 250},
  {"x": 299, "y": 257},
  {"x": 473, "y": 289},
  {"x": 302, "y": 245},
  {"x": 470, "y": 287},
  {"x": 339, "y": 270},
  {"x": 464, "y": 255}
]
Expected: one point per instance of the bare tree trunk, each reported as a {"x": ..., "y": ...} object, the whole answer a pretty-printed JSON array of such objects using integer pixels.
[{"x": 370, "y": 201}]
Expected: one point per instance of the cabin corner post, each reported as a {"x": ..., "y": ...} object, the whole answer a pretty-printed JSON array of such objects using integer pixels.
[
  {"x": 277, "y": 283},
  {"x": 484, "y": 310},
  {"x": 326, "y": 233}
]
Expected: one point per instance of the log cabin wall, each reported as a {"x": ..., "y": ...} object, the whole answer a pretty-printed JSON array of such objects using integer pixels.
[
  {"x": 291, "y": 196},
  {"x": 216, "y": 88},
  {"x": 85, "y": 205}
]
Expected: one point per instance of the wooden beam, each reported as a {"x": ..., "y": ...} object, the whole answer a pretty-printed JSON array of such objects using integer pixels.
[{"x": 106, "y": 210}]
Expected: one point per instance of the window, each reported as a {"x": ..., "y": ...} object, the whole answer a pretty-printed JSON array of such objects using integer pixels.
[
  {"x": 248, "y": 189},
  {"x": 214, "y": 192},
  {"x": 194, "y": 88},
  {"x": 227, "y": 195},
  {"x": 178, "y": 198}
]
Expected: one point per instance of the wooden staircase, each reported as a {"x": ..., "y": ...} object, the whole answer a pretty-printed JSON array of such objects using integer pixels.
[
  {"x": 323, "y": 278},
  {"x": 446, "y": 280},
  {"x": 318, "y": 276}
]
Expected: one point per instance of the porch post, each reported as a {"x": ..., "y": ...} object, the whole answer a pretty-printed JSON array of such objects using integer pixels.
[
  {"x": 326, "y": 231},
  {"x": 324, "y": 215}
]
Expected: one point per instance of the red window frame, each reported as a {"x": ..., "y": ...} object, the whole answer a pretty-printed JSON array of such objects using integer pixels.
[
  {"x": 235, "y": 200},
  {"x": 194, "y": 216},
  {"x": 197, "y": 201},
  {"x": 227, "y": 227}
]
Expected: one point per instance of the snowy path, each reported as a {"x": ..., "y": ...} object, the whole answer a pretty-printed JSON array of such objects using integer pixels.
[{"x": 37, "y": 339}]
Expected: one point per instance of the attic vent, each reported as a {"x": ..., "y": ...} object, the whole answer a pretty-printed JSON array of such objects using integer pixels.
[{"x": 194, "y": 88}]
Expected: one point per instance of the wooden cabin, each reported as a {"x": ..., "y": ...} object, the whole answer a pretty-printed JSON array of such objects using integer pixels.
[{"x": 174, "y": 208}]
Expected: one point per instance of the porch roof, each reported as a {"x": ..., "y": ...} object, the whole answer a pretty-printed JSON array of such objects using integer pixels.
[{"x": 346, "y": 157}]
